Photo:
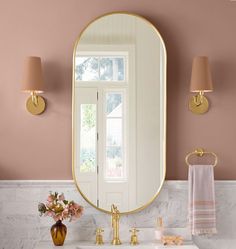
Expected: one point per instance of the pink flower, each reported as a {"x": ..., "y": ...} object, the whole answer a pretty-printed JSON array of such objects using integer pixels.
[
  {"x": 56, "y": 218},
  {"x": 49, "y": 204},
  {"x": 49, "y": 213},
  {"x": 61, "y": 197},
  {"x": 78, "y": 215},
  {"x": 65, "y": 213},
  {"x": 50, "y": 198},
  {"x": 60, "y": 209},
  {"x": 75, "y": 211},
  {"x": 79, "y": 212},
  {"x": 76, "y": 206}
]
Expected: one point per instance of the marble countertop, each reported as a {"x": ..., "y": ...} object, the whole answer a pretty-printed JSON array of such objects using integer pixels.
[{"x": 89, "y": 244}]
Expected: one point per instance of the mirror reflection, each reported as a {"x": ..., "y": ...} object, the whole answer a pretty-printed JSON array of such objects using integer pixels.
[{"x": 119, "y": 112}]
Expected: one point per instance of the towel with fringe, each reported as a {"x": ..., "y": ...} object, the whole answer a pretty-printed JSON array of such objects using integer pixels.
[{"x": 202, "y": 213}]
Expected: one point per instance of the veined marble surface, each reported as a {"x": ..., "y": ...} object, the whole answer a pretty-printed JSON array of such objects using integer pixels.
[
  {"x": 22, "y": 228},
  {"x": 89, "y": 245}
]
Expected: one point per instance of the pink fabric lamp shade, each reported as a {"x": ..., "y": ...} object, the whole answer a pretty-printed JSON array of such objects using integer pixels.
[
  {"x": 33, "y": 76},
  {"x": 201, "y": 80}
]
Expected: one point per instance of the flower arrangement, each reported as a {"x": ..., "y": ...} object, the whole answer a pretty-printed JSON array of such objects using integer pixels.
[{"x": 60, "y": 209}]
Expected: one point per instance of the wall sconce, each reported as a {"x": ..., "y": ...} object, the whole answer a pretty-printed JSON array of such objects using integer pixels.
[
  {"x": 33, "y": 83},
  {"x": 201, "y": 82}
]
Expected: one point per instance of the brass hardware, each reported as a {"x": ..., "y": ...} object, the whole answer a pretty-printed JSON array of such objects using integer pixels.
[
  {"x": 35, "y": 104},
  {"x": 198, "y": 104},
  {"x": 200, "y": 152},
  {"x": 172, "y": 240},
  {"x": 134, "y": 237},
  {"x": 115, "y": 220},
  {"x": 33, "y": 83},
  {"x": 73, "y": 116},
  {"x": 99, "y": 237}
]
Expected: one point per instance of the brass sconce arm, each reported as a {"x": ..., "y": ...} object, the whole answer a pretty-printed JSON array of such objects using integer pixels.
[
  {"x": 198, "y": 99},
  {"x": 34, "y": 98},
  {"x": 35, "y": 104},
  {"x": 198, "y": 104}
]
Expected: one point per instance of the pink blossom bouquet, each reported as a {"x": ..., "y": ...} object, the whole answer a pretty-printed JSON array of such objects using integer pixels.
[{"x": 60, "y": 209}]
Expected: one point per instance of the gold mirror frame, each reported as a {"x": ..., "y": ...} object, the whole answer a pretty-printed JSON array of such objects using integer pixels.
[{"x": 164, "y": 121}]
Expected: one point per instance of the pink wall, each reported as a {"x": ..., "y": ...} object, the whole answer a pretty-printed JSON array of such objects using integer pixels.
[{"x": 40, "y": 147}]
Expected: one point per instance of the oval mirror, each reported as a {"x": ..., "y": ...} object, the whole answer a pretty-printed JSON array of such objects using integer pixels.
[{"x": 119, "y": 112}]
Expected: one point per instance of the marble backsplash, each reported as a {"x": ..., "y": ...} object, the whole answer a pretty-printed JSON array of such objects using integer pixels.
[{"x": 21, "y": 227}]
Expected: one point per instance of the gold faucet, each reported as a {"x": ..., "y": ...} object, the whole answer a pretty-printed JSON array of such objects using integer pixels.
[
  {"x": 134, "y": 237},
  {"x": 115, "y": 218},
  {"x": 99, "y": 238}
]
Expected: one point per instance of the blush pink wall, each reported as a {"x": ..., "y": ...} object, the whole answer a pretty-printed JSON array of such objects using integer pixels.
[{"x": 39, "y": 147}]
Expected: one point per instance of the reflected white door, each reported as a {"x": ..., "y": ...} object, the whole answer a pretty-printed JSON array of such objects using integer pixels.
[
  {"x": 86, "y": 142},
  {"x": 113, "y": 175},
  {"x": 106, "y": 114}
]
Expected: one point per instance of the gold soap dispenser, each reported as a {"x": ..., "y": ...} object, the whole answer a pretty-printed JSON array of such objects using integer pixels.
[
  {"x": 134, "y": 237},
  {"x": 99, "y": 237}
]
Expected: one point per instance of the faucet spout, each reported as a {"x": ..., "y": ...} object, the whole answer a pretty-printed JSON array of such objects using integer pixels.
[{"x": 115, "y": 220}]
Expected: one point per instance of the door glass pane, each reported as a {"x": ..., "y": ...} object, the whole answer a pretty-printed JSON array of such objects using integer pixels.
[
  {"x": 114, "y": 132},
  {"x": 112, "y": 68},
  {"x": 114, "y": 105},
  {"x": 87, "y": 68},
  {"x": 88, "y": 133},
  {"x": 106, "y": 70},
  {"x": 114, "y": 162},
  {"x": 119, "y": 66},
  {"x": 115, "y": 168},
  {"x": 99, "y": 68}
]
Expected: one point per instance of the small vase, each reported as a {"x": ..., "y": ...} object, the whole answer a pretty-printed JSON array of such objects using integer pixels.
[{"x": 58, "y": 233}]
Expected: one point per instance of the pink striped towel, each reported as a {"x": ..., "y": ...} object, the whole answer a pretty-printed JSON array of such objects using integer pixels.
[{"x": 202, "y": 214}]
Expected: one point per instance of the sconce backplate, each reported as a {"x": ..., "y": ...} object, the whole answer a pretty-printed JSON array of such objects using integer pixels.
[
  {"x": 198, "y": 109},
  {"x": 38, "y": 108}
]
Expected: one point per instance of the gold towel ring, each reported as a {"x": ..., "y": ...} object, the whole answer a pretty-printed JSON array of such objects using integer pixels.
[{"x": 200, "y": 152}]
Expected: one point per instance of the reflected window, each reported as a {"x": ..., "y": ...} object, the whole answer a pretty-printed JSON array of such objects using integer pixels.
[
  {"x": 88, "y": 139},
  {"x": 103, "y": 125},
  {"x": 100, "y": 68},
  {"x": 115, "y": 163},
  {"x": 87, "y": 68}
]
